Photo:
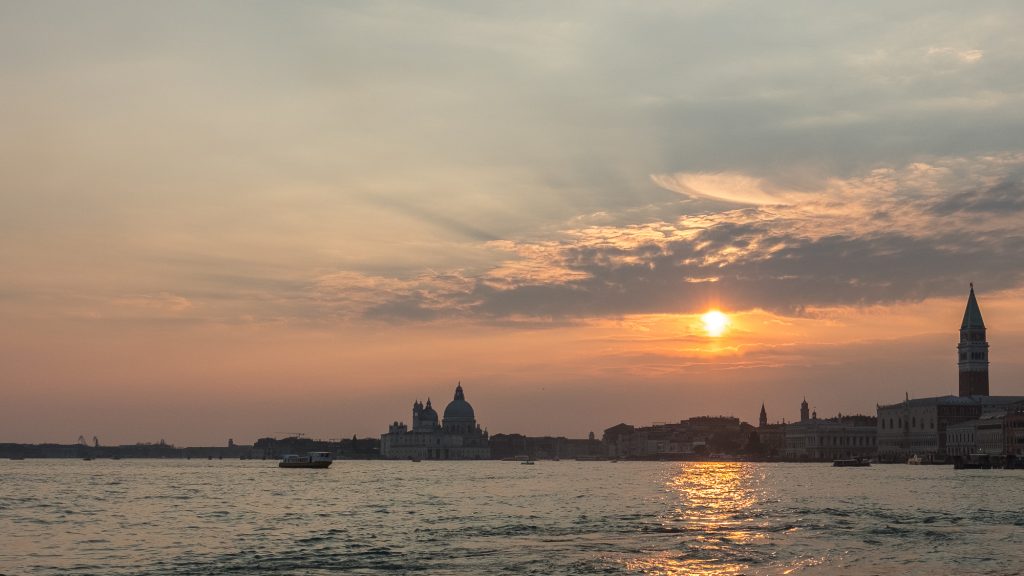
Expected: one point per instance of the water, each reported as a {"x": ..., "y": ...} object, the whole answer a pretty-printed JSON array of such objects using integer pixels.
[{"x": 249, "y": 517}]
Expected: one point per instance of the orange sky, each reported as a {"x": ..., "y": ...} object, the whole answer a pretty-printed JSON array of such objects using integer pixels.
[{"x": 303, "y": 218}]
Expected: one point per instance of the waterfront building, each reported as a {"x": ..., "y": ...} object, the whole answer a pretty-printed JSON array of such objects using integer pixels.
[
  {"x": 456, "y": 437},
  {"x": 545, "y": 447},
  {"x": 702, "y": 435},
  {"x": 919, "y": 426},
  {"x": 1013, "y": 428},
  {"x": 772, "y": 437},
  {"x": 985, "y": 435},
  {"x": 831, "y": 438},
  {"x": 960, "y": 442}
]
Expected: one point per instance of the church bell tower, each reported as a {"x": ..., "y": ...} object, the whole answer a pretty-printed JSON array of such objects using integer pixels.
[{"x": 973, "y": 351}]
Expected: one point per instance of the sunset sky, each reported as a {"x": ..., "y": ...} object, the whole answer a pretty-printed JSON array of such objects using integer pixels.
[{"x": 243, "y": 219}]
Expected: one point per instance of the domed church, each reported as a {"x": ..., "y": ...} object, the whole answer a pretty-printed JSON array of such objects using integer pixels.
[{"x": 457, "y": 437}]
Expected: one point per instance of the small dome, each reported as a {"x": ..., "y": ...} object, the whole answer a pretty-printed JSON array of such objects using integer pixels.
[
  {"x": 428, "y": 414},
  {"x": 458, "y": 408}
]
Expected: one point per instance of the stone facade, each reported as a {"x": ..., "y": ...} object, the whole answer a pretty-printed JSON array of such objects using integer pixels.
[
  {"x": 1013, "y": 429},
  {"x": 831, "y": 438},
  {"x": 919, "y": 426}
]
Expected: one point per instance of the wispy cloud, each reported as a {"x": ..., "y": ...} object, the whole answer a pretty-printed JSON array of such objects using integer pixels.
[{"x": 887, "y": 236}]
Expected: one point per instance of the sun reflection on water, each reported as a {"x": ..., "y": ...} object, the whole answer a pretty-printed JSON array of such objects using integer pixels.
[{"x": 713, "y": 520}]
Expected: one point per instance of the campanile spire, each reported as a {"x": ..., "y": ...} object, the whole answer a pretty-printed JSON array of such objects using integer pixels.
[{"x": 972, "y": 351}]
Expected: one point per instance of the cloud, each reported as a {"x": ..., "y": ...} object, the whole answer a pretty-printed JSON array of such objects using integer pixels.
[
  {"x": 891, "y": 235},
  {"x": 729, "y": 187},
  {"x": 1004, "y": 199},
  {"x": 964, "y": 56}
]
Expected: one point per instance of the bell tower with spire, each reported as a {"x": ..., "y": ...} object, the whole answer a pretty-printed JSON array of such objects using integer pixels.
[
  {"x": 763, "y": 420},
  {"x": 804, "y": 411},
  {"x": 972, "y": 351}
]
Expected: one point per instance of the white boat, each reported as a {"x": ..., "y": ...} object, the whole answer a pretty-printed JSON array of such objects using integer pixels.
[
  {"x": 915, "y": 459},
  {"x": 311, "y": 460}
]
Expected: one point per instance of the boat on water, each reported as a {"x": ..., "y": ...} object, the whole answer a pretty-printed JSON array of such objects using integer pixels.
[
  {"x": 973, "y": 462},
  {"x": 527, "y": 462},
  {"x": 915, "y": 459},
  {"x": 845, "y": 462},
  {"x": 311, "y": 460}
]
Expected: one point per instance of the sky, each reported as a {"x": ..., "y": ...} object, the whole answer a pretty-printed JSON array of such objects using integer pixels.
[{"x": 248, "y": 219}]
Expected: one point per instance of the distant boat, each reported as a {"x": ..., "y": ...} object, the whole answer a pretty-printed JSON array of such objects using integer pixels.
[
  {"x": 312, "y": 460},
  {"x": 974, "y": 462},
  {"x": 915, "y": 459},
  {"x": 17, "y": 457},
  {"x": 87, "y": 458},
  {"x": 851, "y": 462},
  {"x": 527, "y": 462}
]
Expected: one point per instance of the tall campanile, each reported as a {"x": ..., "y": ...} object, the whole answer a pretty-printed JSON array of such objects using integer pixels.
[{"x": 973, "y": 351}]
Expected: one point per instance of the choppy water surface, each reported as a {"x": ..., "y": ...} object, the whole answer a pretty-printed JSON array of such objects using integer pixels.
[{"x": 235, "y": 517}]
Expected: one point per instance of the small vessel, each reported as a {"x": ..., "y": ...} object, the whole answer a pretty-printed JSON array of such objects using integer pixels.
[
  {"x": 851, "y": 462},
  {"x": 311, "y": 460},
  {"x": 915, "y": 459},
  {"x": 527, "y": 462},
  {"x": 974, "y": 462}
]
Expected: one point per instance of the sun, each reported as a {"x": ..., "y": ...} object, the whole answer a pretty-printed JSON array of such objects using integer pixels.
[{"x": 715, "y": 322}]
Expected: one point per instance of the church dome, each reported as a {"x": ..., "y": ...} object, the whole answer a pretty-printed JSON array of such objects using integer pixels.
[
  {"x": 458, "y": 408},
  {"x": 429, "y": 414}
]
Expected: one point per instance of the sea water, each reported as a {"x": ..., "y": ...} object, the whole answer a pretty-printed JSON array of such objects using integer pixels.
[{"x": 172, "y": 517}]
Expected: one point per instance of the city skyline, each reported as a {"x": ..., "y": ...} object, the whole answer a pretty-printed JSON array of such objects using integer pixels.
[{"x": 218, "y": 225}]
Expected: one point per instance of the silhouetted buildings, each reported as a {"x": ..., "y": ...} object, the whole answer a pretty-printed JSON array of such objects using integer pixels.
[
  {"x": 817, "y": 439},
  {"x": 841, "y": 437},
  {"x": 457, "y": 437},
  {"x": 771, "y": 438},
  {"x": 923, "y": 427},
  {"x": 686, "y": 439},
  {"x": 505, "y": 446}
]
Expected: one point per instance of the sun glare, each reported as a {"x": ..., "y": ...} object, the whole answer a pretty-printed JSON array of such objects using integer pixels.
[{"x": 715, "y": 322}]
